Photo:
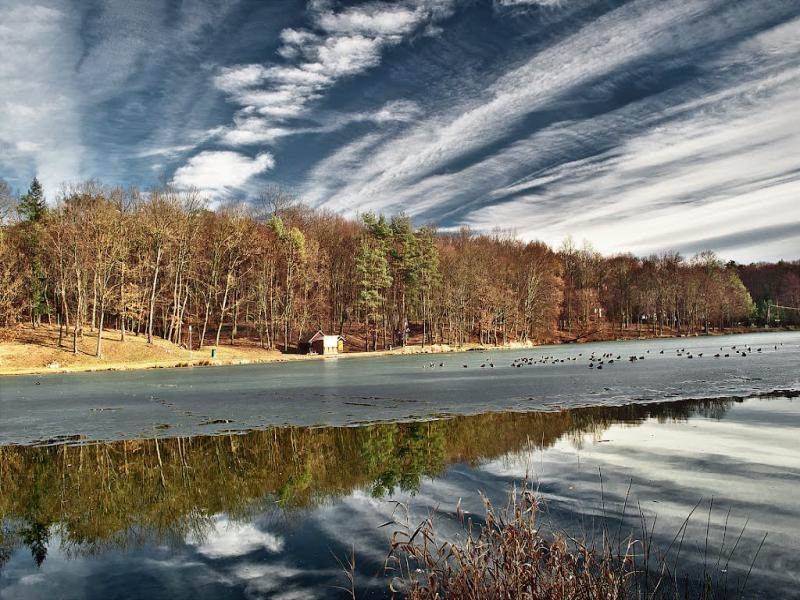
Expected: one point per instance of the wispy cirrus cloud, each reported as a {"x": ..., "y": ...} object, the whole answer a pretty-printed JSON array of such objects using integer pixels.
[
  {"x": 39, "y": 116},
  {"x": 248, "y": 130},
  {"x": 637, "y": 124},
  {"x": 336, "y": 45},
  {"x": 81, "y": 86},
  {"x": 554, "y": 148},
  {"x": 545, "y": 3},
  {"x": 276, "y": 97}
]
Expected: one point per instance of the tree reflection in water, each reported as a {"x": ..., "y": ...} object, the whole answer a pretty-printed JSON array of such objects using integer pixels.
[{"x": 127, "y": 493}]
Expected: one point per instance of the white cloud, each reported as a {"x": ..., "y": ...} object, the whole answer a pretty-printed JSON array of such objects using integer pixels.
[
  {"x": 39, "y": 102},
  {"x": 397, "y": 110},
  {"x": 164, "y": 151},
  {"x": 128, "y": 36},
  {"x": 334, "y": 173},
  {"x": 254, "y": 131},
  {"x": 62, "y": 64},
  {"x": 546, "y": 3},
  {"x": 217, "y": 172},
  {"x": 226, "y": 539},
  {"x": 344, "y": 56},
  {"x": 248, "y": 130},
  {"x": 728, "y": 151},
  {"x": 596, "y": 49},
  {"x": 338, "y": 44},
  {"x": 682, "y": 182},
  {"x": 295, "y": 41},
  {"x": 290, "y": 75},
  {"x": 27, "y": 146},
  {"x": 127, "y": 48},
  {"x": 231, "y": 79},
  {"x": 374, "y": 20}
]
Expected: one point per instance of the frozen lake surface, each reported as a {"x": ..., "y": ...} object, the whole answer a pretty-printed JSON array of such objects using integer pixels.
[{"x": 348, "y": 391}]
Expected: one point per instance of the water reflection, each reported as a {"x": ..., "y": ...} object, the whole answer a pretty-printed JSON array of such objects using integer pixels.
[
  {"x": 155, "y": 491},
  {"x": 264, "y": 512}
]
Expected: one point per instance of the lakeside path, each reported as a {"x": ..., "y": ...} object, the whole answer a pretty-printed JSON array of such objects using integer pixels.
[{"x": 347, "y": 391}]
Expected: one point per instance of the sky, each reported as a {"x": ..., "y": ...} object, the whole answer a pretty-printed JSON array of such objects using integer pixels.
[{"x": 640, "y": 126}]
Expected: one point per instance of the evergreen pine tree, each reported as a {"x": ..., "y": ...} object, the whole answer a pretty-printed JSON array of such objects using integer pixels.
[
  {"x": 31, "y": 209},
  {"x": 31, "y": 205}
]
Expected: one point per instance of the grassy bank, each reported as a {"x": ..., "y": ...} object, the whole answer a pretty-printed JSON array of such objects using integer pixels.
[{"x": 25, "y": 350}]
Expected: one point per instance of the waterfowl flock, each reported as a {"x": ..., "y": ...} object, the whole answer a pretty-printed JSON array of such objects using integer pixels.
[{"x": 598, "y": 361}]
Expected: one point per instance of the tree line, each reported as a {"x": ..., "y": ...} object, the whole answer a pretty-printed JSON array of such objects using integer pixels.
[
  {"x": 272, "y": 271},
  {"x": 774, "y": 287}
]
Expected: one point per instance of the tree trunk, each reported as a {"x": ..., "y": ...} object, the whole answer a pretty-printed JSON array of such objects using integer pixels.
[
  {"x": 403, "y": 318},
  {"x": 235, "y": 319},
  {"x": 222, "y": 309},
  {"x": 99, "y": 349},
  {"x": 153, "y": 298},
  {"x": 424, "y": 329},
  {"x": 205, "y": 324},
  {"x": 176, "y": 298},
  {"x": 94, "y": 297},
  {"x": 288, "y": 304},
  {"x": 181, "y": 313},
  {"x": 65, "y": 312},
  {"x": 122, "y": 304},
  {"x": 78, "y": 311}
]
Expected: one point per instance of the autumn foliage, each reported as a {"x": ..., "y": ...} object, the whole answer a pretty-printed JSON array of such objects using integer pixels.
[{"x": 272, "y": 271}]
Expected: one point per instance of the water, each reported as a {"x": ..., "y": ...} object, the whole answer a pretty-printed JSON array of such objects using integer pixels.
[
  {"x": 347, "y": 391},
  {"x": 264, "y": 513}
]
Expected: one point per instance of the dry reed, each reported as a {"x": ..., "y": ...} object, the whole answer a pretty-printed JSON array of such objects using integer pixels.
[{"x": 511, "y": 555}]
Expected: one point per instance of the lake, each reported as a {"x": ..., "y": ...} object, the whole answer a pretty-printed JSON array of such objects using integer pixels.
[{"x": 251, "y": 481}]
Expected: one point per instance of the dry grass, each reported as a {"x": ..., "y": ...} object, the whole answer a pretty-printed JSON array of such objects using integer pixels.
[
  {"x": 508, "y": 557},
  {"x": 24, "y": 349},
  {"x": 512, "y": 556}
]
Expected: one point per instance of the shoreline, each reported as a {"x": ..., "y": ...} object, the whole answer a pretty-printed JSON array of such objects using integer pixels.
[
  {"x": 244, "y": 355},
  {"x": 273, "y": 357}
]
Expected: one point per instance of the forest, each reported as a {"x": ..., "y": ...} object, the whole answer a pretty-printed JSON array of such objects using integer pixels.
[{"x": 271, "y": 271}]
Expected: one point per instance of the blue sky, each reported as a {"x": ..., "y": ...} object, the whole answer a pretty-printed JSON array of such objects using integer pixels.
[{"x": 639, "y": 125}]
